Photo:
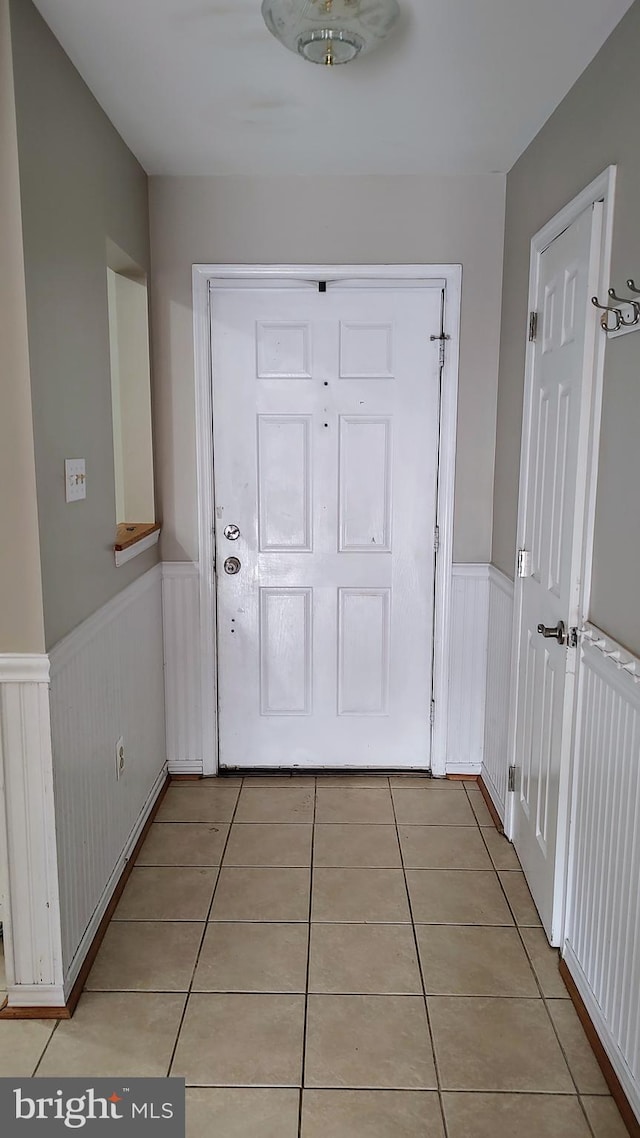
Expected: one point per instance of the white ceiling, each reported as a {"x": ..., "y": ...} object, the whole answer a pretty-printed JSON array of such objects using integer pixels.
[{"x": 201, "y": 87}]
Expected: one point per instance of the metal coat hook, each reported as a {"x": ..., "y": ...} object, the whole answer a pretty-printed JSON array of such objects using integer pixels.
[
  {"x": 635, "y": 304},
  {"x": 604, "y": 320},
  {"x": 632, "y": 286}
]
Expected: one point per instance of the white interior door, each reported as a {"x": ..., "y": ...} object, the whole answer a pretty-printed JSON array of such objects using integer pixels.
[
  {"x": 552, "y": 494},
  {"x": 326, "y": 408}
]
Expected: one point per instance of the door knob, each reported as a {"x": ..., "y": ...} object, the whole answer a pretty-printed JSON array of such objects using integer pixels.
[
  {"x": 556, "y": 632},
  {"x": 232, "y": 532},
  {"x": 232, "y": 566}
]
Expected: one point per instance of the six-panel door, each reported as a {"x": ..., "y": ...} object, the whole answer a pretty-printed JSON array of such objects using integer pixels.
[
  {"x": 325, "y": 441},
  {"x": 552, "y": 524}
]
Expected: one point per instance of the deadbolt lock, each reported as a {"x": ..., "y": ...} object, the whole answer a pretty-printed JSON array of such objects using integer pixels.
[{"x": 231, "y": 532}]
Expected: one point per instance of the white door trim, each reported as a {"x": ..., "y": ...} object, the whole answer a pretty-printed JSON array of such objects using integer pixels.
[
  {"x": 205, "y": 277},
  {"x": 602, "y": 189},
  {"x": 28, "y": 843}
]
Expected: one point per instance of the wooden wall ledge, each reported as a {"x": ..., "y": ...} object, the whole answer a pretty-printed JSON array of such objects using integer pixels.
[
  {"x": 128, "y": 533},
  {"x": 133, "y": 538}
]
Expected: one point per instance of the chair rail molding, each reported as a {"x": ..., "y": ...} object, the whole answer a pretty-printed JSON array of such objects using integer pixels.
[{"x": 28, "y": 850}]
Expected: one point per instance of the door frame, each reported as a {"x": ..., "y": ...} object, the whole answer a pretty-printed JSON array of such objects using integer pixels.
[
  {"x": 601, "y": 189},
  {"x": 205, "y": 278}
]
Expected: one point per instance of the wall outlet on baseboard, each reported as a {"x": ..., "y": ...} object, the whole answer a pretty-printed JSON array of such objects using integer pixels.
[{"x": 120, "y": 758}]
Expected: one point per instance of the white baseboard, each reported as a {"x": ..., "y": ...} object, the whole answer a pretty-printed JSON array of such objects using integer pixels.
[
  {"x": 35, "y": 996},
  {"x": 103, "y": 903},
  {"x": 182, "y": 666},
  {"x": 464, "y": 768}
]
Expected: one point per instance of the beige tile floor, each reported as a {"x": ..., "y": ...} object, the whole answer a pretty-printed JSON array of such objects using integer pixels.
[{"x": 332, "y": 958}]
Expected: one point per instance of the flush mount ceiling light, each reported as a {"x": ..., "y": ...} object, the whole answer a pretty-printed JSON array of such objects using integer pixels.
[{"x": 330, "y": 31}]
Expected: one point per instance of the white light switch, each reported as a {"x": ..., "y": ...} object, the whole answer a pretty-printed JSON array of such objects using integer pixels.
[{"x": 75, "y": 479}]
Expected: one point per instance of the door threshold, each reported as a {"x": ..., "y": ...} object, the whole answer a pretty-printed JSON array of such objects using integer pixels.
[{"x": 320, "y": 772}]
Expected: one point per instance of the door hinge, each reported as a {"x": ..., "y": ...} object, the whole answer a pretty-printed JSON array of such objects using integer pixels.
[
  {"x": 432, "y": 712},
  {"x": 436, "y": 539},
  {"x": 524, "y": 563},
  {"x": 533, "y": 326},
  {"x": 512, "y": 779}
]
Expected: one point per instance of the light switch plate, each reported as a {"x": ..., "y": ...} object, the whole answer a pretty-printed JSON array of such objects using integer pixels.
[{"x": 75, "y": 479}]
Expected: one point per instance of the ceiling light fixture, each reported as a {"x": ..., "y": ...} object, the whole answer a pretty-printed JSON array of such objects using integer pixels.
[{"x": 330, "y": 31}]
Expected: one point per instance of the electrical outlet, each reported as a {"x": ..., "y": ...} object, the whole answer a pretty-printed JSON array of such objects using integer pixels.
[
  {"x": 120, "y": 758},
  {"x": 75, "y": 479}
]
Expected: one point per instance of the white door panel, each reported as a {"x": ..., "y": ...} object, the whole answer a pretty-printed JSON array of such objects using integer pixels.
[
  {"x": 326, "y": 436},
  {"x": 555, "y": 420}
]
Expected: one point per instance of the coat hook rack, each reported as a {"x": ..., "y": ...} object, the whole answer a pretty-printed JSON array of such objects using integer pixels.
[{"x": 623, "y": 315}]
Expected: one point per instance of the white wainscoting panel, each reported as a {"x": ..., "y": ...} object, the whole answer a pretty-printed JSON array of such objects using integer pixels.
[
  {"x": 28, "y": 851},
  {"x": 495, "y": 762},
  {"x": 467, "y": 668},
  {"x": 182, "y": 669},
  {"x": 471, "y": 587},
  {"x": 106, "y": 682},
  {"x": 602, "y": 947}
]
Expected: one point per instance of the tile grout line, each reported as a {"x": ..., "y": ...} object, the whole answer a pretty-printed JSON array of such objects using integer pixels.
[
  {"x": 219, "y": 867},
  {"x": 569, "y": 1069},
  {"x": 544, "y": 1000},
  {"x": 420, "y": 970},
  {"x": 519, "y": 929},
  {"x": 306, "y": 992},
  {"x": 204, "y": 933},
  {"x": 538, "y": 983},
  {"x": 45, "y": 1048}
]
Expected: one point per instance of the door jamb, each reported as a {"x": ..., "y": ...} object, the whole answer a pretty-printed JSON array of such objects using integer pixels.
[
  {"x": 601, "y": 189},
  {"x": 204, "y": 278}
]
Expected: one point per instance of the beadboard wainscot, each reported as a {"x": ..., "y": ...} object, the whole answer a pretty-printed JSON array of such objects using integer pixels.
[
  {"x": 602, "y": 934},
  {"x": 473, "y": 589},
  {"x": 467, "y": 668},
  {"x": 107, "y": 684},
  {"x": 495, "y": 758},
  {"x": 182, "y": 670}
]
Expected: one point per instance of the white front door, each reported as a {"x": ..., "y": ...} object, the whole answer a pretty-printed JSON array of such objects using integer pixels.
[
  {"x": 326, "y": 408},
  {"x": 552, "y": 494}
]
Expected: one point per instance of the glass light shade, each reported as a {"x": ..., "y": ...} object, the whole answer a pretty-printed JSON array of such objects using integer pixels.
[{"x": 330, "y": 31}]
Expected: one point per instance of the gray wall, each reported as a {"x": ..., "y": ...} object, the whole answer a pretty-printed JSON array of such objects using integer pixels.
[
  {"x": 594, "y": 126},
  {"x": 79, "y": 186},
  {"x": 342, "y": 220},
  {"x": 21, "y": 618}
]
